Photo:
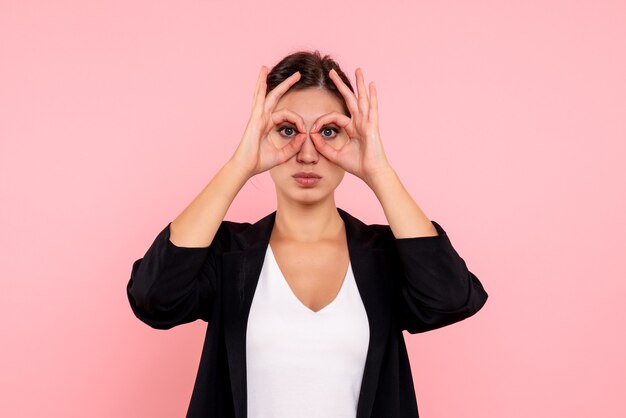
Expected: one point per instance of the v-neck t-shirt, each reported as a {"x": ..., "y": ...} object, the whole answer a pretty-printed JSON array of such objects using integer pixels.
[{"x": 302, "y": 363}]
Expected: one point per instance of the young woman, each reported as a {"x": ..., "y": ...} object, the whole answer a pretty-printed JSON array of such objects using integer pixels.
[{"x": 306, "y": 307}]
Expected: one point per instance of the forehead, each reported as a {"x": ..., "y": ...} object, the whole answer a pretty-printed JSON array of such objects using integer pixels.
[{"x": 310, "y": 102}]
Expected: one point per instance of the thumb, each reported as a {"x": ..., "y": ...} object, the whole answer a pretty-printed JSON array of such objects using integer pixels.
[
  {"x": 291, "y": 148},
  {"x": 326, "y": 150}
]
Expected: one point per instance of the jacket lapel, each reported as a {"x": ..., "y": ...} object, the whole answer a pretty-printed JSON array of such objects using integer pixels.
[
  {"x": 370, "y": 269},
  {"x": 241, "y": 270}
]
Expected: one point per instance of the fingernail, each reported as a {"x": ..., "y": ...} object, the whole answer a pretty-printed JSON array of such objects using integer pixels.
[{"x": 313, "y": 127}]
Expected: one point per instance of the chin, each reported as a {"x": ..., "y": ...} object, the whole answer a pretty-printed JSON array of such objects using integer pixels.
[{"x": 306, "y": 196}]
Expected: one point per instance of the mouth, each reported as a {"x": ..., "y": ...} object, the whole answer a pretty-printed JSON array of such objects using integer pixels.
[
  {"x": 307, "y": 175},
  {"x": 306, "y": 179}
]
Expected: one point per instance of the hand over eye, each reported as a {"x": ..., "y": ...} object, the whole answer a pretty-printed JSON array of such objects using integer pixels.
[
  {"x": 362, "y": 153},
  {"x": 256, "y": 152}
]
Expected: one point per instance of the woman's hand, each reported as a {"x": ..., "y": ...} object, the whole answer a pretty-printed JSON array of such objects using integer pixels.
[
  {"x": 363, "y": 154},
  {"x": 256, "y": 153}
]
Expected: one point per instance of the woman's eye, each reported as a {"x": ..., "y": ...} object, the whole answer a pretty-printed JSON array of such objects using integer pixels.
[
  {"x": 289, "y": 131},
  {"x": 328, "y": 131}
]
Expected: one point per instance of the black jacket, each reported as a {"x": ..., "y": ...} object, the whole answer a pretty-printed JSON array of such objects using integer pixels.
[{"x": 414, "y": 284}]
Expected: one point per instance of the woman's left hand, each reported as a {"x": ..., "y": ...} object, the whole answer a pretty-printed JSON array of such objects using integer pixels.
[{"x": 363, "y": 154}]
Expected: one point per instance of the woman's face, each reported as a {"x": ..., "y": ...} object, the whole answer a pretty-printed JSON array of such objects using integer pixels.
[{"x": 310, "y": 104}]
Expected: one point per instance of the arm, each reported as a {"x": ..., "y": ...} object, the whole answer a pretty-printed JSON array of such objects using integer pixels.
[
  {"x": 197, "y": 224},
  {"x": 256, "y": 153},
  {"x": 176, "y": 281},
  {"x": 173, "y": 285},
  {"x": 405, "y": 218},
  {"x": 435, "y": 287}
]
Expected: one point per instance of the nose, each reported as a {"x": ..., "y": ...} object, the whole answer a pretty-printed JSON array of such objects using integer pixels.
[{"x": 308, "y": 153}]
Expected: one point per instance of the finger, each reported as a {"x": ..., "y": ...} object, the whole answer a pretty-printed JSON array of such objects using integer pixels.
[
  {"x": 261, "y": 85},
  {"x": 274, "y": 96},
  {"x": 286, "y": 115},
  {"x": 345, "y": 91},
  {"x": 262, "y": 76},
  {"x": 373, "y": 103},
  {"x": 340, "y": 119},
  {"x": 291, "y": 148},
  {"x": 363, "y": 100},
  {"x": 323, "y": 148}
]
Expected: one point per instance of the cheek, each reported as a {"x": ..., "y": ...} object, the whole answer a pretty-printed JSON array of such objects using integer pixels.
[
  {"x": 337, "y": 173},
  {"x": 278, "y": 172}
]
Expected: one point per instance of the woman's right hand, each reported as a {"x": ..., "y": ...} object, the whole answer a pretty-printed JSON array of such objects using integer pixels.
[{"x": 256, "y": 152}]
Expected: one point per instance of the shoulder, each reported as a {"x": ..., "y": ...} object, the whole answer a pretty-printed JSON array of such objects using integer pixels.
[
  {"x": 367, "y": 235},
  {"x": 377, "y": 235},
  {"x": 233, "y": 235}
]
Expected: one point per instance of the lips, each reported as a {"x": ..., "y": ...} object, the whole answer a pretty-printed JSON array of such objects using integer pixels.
[
  {"x": 302, "y": 174},
  {"x": 307, "y": 179}
]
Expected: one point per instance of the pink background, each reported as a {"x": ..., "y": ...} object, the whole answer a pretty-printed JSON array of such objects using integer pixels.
[{"x": 506, "y": 123}]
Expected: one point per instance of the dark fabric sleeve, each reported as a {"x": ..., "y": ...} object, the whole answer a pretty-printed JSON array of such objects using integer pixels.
[
  {"x": 436, "y": 288},
  {"x": 173, "y": 285}
]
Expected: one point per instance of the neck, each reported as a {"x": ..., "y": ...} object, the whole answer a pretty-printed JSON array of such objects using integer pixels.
[{"x": 307, "y": 223}]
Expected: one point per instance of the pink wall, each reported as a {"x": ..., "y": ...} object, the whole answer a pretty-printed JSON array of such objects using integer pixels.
[{"x": 505, "y": 122}]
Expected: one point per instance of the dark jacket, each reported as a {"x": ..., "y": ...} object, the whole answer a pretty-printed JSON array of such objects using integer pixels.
[{"x": 415, "y": 284}]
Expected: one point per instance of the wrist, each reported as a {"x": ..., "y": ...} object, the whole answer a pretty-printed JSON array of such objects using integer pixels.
[
  {"x": 379, "y": 176},
  {"x": 238, "y": 169}
]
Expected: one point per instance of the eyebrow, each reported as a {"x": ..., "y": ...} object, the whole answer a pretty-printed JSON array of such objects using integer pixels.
[{"x": 295, "y": 126}]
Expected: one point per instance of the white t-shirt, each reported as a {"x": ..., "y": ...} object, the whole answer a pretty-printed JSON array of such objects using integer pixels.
[{"x": 302, "y": 363}]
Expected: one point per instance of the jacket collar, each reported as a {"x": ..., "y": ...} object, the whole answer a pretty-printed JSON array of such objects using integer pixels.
[
  {"x": 241, "y": 271},
  {"x": 257, "y": 235}
]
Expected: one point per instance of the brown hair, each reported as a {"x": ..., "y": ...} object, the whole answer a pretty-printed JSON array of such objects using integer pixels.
[{"x": 313, "y": 70}]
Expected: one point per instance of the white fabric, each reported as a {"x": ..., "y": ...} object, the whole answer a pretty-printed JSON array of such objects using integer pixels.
[{"x": 302, "y": 363}]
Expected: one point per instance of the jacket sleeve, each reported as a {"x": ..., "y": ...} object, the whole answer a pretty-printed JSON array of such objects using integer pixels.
[
  {"x": 436, "y": 287},
  {"x": 173, "y": 285}
]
